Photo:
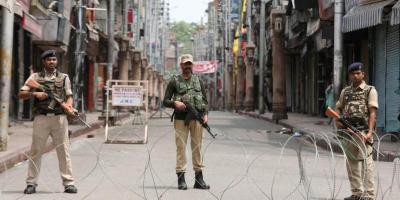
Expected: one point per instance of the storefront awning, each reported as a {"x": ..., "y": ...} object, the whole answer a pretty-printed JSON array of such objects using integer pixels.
[
  {"x": 395, "y": 14},
  {"x": 364, "y": 16}
]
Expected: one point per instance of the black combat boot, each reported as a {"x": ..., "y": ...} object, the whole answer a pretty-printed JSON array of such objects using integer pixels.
[
  {"x": 199, "y": 182},
  {"x": 70, "y": 189},
  {"x": 30, "y": 189},
  {"x": 181, "y": 181},
  {"x": 353, "y": 197}
]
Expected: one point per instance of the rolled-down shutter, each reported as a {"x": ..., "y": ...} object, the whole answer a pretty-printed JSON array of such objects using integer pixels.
[
  {"x": 392, "y": 78},
  {"x": 380, "y": 73}
]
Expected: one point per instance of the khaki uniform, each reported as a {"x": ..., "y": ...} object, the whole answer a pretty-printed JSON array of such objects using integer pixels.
[
  {"x": 196, "y": 139},
  {"x": 54, "y": 125},
  {"x": 354, "y": 103}
]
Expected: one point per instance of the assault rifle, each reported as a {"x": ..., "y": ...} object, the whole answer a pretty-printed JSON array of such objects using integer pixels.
[
  {"x": 194, "y": 114},
  {"x": 331, "y": 113},
  {"x": 55, "y": 99}
]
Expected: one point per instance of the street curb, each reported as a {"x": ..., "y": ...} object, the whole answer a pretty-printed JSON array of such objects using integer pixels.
[
  {"x": 13, "y": 158},
  {"x": 387, "y": 156}
]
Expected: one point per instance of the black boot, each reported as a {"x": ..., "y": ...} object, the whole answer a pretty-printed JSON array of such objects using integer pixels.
[
  {"x": 353, "y": 197},
  {"x": 70, "y": 189},
  {"x": 199, "y": 182},
  {"x": 30, "y": 189},
  {"x": 181, "y": 181}
]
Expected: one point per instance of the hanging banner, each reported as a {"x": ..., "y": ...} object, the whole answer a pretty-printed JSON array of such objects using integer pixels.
[{"x": 205, "y": 67}]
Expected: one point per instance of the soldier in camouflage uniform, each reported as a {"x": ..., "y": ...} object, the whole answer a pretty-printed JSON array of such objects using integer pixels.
[
  {"x": 358, "y": 104},
  {"x": 187, "y": 87},
  {"x": 49, "y": 122}
]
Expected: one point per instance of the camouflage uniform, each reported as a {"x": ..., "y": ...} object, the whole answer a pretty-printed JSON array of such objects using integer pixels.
[
  {"x": 354, "y": 103},
  {"x": 192, "y": 91},
  {"x": 189, "y": 91}
]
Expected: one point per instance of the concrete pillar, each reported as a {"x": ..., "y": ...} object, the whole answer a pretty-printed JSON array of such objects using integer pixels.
[
  {"x": 161, "y": 86},
  {"x": 21, "y": 69},
  {"x": 240, "y": 83},
  {"x": 278, "y": 65},
  {"x": 155, "y": 90},
  {"x": 249, "y": 98},
  {"x": 150, "y": 79},
  {"x": 123, "y": 64},
  {"x": 143, "y": 69},
  {"x": 144, "y": 72},
  {"x": 136, "y": 66},
  {"x": 6, "y": 49},
  {"x": 229, "y": 89}
]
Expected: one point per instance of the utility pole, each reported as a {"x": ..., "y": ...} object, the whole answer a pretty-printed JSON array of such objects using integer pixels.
[
  {"x": 215, "y": 32},
  {"x": 261, "y": 107},
  {"x": 138, "y": 22},
  {"x": 6, "y": 49},
  {"x": 110, "y": 31},
  {"x": 338, "y": 48},
  {"x": 229, "y": 76},
  {"x": 77, "y": 89},
  {"x": 125, "y": 18},
  {"x": 225, "y": 50},
  {"x": 146, "y": 28},
  {"x": 151, "y": 30}
]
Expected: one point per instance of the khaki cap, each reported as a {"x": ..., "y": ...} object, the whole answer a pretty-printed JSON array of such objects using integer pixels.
[{"x": 186, "y": 58}]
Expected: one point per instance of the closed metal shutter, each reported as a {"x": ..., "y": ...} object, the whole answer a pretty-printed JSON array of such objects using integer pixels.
[
  {"x": 392, "y": 78},
  {"x": 380, "y": 73}
]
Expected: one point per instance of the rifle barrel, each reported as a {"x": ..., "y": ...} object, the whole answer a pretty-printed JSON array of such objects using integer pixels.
[{"x": 86, "y": 124}]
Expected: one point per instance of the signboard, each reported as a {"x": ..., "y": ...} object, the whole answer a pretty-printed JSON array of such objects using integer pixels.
[
  {"x": 126, "y": 95},
  {"x": 205, "y": 67}
]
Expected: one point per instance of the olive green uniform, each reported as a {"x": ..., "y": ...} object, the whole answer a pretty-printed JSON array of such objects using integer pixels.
[
  {"x": 354, "y": 103},
  {"x": 191, "y": 90},
  {"x": 50, "y": 122}
]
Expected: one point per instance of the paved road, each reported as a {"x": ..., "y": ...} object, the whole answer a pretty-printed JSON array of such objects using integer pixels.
[{"x": 248, "y": 160}]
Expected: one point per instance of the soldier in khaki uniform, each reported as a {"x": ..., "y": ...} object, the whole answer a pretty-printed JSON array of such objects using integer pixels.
[
  {"x": 358, "y": 103},
  {"x": 187, "y": 87},
  {"x": 49, "y": 121}
]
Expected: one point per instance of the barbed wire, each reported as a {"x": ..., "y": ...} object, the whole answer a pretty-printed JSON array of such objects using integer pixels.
[{"x": 302, "y": 180}]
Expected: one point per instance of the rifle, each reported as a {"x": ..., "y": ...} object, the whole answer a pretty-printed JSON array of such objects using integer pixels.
[
  {"x": 192, "y": 112},
  {"x": 55, "y": 99},
  {"x": 331, "y": 113}
]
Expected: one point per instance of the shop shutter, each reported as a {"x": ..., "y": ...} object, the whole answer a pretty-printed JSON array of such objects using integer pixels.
[
  {"x": 392, "y": 78},
  {"x": 380, "y": 73}
]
